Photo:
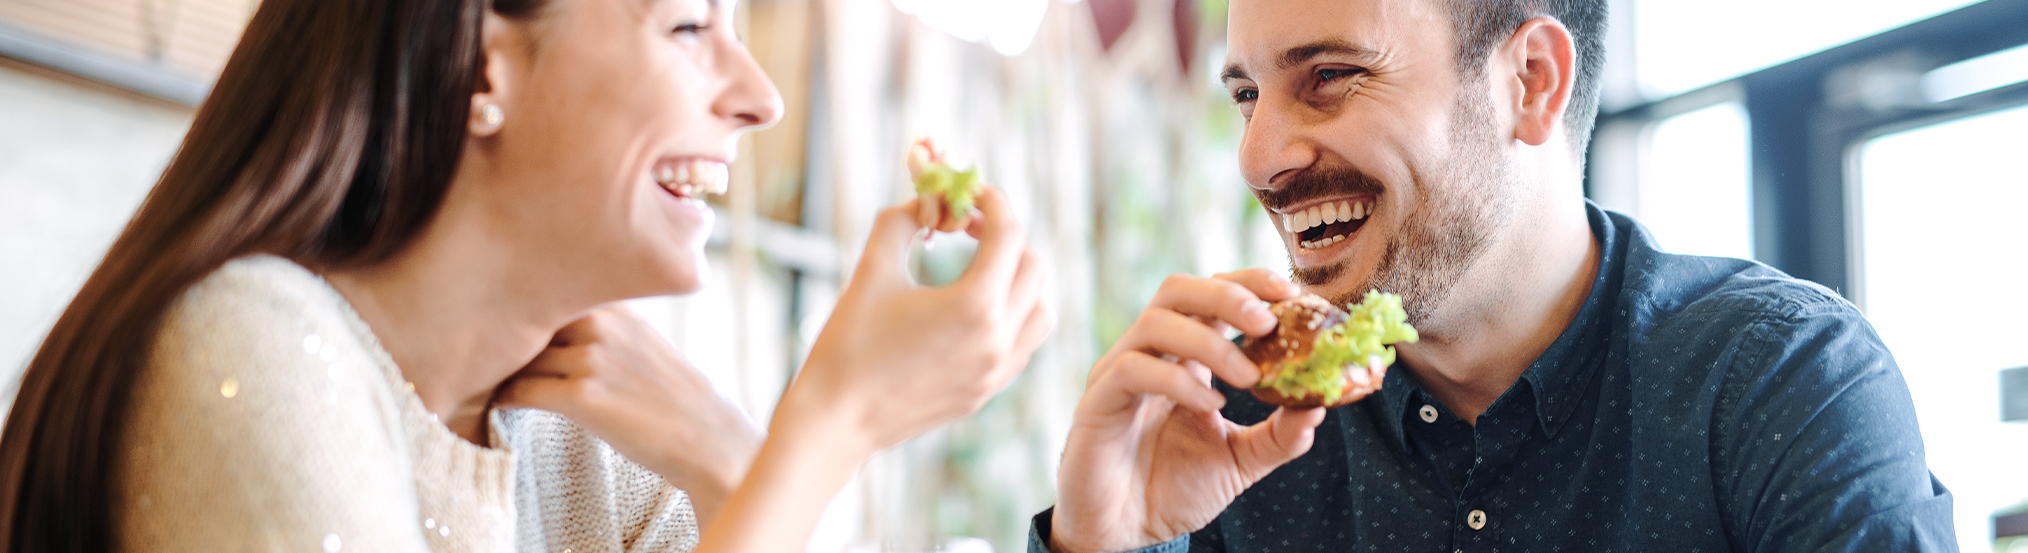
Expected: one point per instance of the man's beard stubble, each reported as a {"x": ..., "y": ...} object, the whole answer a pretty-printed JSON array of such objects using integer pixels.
[{"x": 1462, "y": 205}]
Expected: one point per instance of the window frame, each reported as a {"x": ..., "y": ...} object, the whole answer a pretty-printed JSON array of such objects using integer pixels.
[{"x": 1808, "y": 118}]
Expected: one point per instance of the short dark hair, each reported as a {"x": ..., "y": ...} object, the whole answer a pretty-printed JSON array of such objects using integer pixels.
[{"x": 1481, "y": 25}]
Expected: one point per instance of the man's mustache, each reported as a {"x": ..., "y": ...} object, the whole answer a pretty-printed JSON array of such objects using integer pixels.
[{"x": 1316, "y": 183}]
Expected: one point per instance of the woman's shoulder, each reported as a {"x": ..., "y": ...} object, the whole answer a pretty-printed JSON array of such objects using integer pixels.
[
  {"x": 261, "y": 323},
  {"x": 258, "y": 404},
  {"x": 267, "y": 313},
  {"x": 255, "y": 290}
]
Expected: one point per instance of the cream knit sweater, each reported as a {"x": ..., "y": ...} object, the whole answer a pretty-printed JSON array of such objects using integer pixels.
[{"x": 270, "y": 419}]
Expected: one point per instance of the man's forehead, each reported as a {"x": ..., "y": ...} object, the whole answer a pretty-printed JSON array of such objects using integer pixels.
[{"x": 1266, "y": 35}]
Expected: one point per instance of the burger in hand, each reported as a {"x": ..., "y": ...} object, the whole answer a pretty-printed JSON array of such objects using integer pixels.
[{"x": 1318, "y": 355}]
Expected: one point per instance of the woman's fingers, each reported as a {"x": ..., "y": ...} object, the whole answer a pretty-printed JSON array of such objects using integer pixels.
[
  {"x": 1040, "y": 322},
  {"x": 1172, "y": 333},
  {"x": 1026, "y": 290},
  {"x": 540, "y": 391},
  {"x": 953, "y": 221},
  {"x": 1001, "y": 243},
  {"x": 886, "y": 252},
  {"x": 927, "y": 214}
]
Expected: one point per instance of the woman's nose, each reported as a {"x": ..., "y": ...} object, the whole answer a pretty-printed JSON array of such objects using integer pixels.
[{"x": 752, "y": 99}]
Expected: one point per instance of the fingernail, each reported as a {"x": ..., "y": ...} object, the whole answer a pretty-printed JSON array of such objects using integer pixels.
[{"x": 1258, "y": 309}]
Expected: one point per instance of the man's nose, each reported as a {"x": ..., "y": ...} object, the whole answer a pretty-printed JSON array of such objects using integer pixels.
[{"x": 1273, "y": 145}]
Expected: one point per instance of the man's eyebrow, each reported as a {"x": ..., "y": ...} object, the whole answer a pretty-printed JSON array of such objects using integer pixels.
[{"x": 1296, "y": 56}]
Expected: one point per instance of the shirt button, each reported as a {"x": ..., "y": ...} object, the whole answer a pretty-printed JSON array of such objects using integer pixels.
[
  {"x": 1476, "y": 519},
  {"x": 1429, "y": 413}
]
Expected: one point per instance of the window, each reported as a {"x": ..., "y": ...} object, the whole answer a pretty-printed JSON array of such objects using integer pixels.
[
  {"x": 1681, "y": 46},
  {"x": 1943, "y": 259},
  {"x": 1693, "y": 187}
]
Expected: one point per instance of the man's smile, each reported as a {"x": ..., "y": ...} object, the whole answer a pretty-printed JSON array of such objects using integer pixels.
[{"x": 1325, "y": 223}]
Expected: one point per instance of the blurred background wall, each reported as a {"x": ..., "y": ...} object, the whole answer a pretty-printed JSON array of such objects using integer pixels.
[{"x": 1874, "y": 146}]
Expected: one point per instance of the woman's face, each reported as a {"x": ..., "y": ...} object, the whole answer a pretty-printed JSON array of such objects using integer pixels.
[{"x": 620, "y": 116}]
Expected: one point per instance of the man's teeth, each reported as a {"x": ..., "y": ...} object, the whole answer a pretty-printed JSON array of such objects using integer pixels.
[
  {"x": 690, "y": 177},
  {"x": 1336, "y": 212},
  {"x": 1341, "y": 211},
  {"x": 1321, "y": 242}
]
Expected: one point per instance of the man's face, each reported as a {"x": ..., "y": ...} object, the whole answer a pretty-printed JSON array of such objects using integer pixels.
[{"x": 1356, "y": 105}]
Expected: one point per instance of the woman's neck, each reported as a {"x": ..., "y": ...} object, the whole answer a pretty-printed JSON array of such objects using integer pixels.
[{"x": 459, "y": 315}]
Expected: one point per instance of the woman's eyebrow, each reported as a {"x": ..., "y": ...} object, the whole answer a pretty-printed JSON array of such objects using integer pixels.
[{"x": 713, "y": 4}]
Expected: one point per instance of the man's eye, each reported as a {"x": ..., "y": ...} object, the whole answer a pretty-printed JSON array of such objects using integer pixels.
[
  {"x": 691, "y": 28},
  {"x": 1245, "y": 95},
  {"x": 1328, "y": 75}
]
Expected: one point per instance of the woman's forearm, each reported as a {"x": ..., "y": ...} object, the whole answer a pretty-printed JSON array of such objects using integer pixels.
[{"x": 811, "y": 452}]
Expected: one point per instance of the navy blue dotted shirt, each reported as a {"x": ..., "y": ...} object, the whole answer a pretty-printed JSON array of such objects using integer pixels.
[{"x": 1695, "y": 404}]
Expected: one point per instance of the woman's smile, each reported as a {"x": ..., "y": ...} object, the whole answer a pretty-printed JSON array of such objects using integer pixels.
[{"x": 689, "y": 180}]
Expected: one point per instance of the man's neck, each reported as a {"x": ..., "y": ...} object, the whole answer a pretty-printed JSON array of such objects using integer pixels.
[{"x": 1490, "y": 335}]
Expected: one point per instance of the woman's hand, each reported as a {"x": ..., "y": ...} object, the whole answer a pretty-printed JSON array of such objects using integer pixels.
[
  {"x": 612, "y": 374},
  {"x": 896, "y": 359}
]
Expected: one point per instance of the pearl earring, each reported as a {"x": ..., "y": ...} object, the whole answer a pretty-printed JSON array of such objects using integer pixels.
[{"x": 491, "y": 115}]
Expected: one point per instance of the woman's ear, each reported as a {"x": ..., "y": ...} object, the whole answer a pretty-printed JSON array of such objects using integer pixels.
[
  {"x": 493, "y": 87},
  {"x": 1545, "y": 71}
]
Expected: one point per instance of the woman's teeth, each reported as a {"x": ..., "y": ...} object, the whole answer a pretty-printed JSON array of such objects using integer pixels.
[
  {"x": 1336, "y": 212},
  {"x": 690, "y": 177}
]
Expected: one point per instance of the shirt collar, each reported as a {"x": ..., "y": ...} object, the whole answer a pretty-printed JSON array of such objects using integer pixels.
[{"x": 1558, "y": 378}]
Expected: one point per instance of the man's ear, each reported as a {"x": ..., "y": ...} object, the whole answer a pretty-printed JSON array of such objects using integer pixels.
[
  {"x": 493, "y": 87},
  {"x": 1543, "y": 61}
]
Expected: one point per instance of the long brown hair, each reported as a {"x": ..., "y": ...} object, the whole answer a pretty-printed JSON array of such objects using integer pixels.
[{"x": 330, "y": 139}]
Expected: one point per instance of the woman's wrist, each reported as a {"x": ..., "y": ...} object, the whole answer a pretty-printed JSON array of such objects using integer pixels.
[
  {"x": 818, "y": 419},
  {"x": 708, "y": 491},
  {"x": 815, "y": 445}
]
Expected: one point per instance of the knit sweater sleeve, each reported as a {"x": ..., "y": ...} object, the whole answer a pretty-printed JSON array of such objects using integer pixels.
[
  {"x": 574, "y": 493},
  {"x": 248, "y": 430}
]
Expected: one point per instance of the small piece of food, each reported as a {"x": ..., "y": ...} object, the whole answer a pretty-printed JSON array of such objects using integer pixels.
[
  {"x": 1317, "y": 356},
  {"x": 935, "y": 179}
]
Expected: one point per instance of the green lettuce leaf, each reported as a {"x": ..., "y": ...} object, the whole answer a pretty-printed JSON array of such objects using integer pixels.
[
  {"x": 1374, "y": 322},
  {"x": 957, "y": 187}
]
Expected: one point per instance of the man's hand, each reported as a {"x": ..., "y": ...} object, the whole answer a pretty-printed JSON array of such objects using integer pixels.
[{"x": 1149, "y": 456}]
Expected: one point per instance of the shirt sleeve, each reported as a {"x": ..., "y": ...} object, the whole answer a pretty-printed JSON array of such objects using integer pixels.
[
  {"x": 239, "y": 439},
  {"x": 1038, "y": 538},
  {"x": 576, "y": 493},
  {"x": 1816, "y": 443}
]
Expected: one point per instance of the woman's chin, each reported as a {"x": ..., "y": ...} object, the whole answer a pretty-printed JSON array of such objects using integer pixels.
[
  {"x": 686, "y": 287},
  {"x": 684, "y": 273}
]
